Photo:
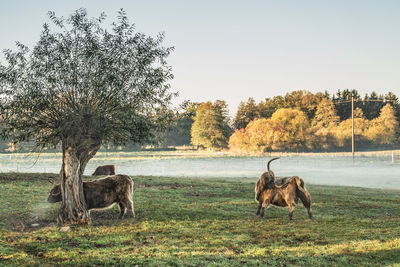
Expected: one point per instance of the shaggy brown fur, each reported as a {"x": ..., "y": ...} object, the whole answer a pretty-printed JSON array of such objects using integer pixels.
[
  {"x": 105, "y": 170},
  {"x": 267, "y": 180},
  {"x": 283, "y": 192},
  {"x": 104, "y": 192}
]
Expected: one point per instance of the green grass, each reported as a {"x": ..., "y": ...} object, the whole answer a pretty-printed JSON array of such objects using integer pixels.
[{"x": 195, "y": 222}]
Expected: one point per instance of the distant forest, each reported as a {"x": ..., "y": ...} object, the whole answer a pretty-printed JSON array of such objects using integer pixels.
[{"x": 296, "y": 121}]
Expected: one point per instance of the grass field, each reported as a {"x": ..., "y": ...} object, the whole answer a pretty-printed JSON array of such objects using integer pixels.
[{"x": 195, "y": 222}]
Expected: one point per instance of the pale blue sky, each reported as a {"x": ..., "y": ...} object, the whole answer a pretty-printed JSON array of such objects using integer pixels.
[{"x": 232, "y": 50}]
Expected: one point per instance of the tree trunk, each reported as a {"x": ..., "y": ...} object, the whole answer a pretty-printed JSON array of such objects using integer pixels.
[{"x": 73, "y": 209}]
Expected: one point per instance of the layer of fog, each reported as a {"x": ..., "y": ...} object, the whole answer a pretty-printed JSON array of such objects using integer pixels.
[{"x": 373, "y": 172}]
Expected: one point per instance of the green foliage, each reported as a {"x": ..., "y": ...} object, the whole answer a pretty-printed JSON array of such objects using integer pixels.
[
  {"x": 200, "y": 223},
  {"x": 84, "y": 84},
  {"x": 344, "y": 109},
  {"x": 210, "y": 128},
  {"x": 368, "y": 105},
  {"x": 178, "y": 131},
  {"x": 247, "y": 111}
]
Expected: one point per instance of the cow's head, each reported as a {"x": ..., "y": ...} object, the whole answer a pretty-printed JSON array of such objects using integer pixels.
[
  {"x": 55, "y": 193},
  {"x": 266, "y": 181},
  {"x": 268, "y": 177}
]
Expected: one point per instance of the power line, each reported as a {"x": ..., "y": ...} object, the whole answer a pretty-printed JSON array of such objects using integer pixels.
[{"x": 352, "y": 113}]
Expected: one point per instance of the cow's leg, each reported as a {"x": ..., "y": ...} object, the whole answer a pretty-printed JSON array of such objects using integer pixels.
[
  {"x": 130, "y": 208},
  {"x": 291, "y": 209},
  {"x": 264, "y": 206},
  {"x": 259, "y": 208},
  {"x": 128, "y": 204},
  {"x": 122, "y": 210},
  {"x": 309, "y": 212}
]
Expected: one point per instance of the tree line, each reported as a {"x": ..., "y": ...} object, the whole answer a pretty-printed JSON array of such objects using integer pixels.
[{"x": 297, "y": 121}]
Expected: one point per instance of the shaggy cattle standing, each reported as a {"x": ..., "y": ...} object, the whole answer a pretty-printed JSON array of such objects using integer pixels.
[
  {"x": 104, "y": 170},
  {"x": 282, "y": 192},
  {"x": 103, "y": 193}
]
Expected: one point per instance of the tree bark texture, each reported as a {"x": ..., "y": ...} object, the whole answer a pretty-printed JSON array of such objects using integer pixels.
[{"x": 73, "y": 209}]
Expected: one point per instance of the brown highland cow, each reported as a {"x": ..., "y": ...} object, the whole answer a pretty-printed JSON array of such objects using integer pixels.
[
  {"x": 282, "y": 192},
  {"x": 103, "y": 193},
  {"x": 104, "y": 170}
]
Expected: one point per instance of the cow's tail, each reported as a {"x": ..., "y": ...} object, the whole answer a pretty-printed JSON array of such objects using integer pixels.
[
  {"x": 300, "y": 186},
  {"x": 304, "y": 195},
  {"x": 131, "y": 186}
]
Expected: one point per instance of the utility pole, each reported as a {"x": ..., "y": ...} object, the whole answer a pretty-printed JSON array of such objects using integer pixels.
[{"x": 352, "y": 115}]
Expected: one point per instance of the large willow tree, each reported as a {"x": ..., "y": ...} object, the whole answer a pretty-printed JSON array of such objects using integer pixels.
[{"x": 80, "y": 86}]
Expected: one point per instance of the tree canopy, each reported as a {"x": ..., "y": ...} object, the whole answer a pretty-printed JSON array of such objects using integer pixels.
[
  {"x": 247, "y": 111},
  {"x": 210, "y": 128},
  {"x": 287, "y": 129},
  {"x": 385, "y": 128},
  {"x": 85, "y": 82}
]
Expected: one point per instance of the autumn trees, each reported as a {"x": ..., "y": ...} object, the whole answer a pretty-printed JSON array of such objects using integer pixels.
[
  {"x": 287, "y": 129},
  {"x": 290, "y": 130},
  {"x": 83, "y": 85},
  {"x": 300, "y": 121},
  {"x": 384, "y": 129}
]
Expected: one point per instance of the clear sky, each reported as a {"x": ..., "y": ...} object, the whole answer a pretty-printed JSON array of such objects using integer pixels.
[{"x": 232, "y": 50}]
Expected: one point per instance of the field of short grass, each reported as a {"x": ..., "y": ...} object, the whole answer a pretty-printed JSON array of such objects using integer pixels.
[{"x": 198, "y": 222}]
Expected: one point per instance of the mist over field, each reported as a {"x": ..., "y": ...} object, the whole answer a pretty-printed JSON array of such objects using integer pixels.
[{"x": 371, "y": 171}]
